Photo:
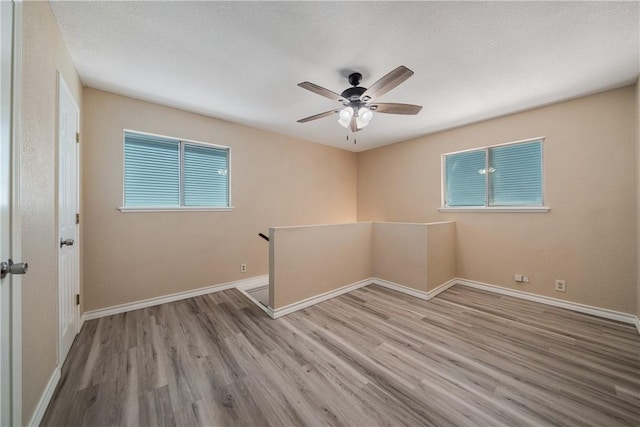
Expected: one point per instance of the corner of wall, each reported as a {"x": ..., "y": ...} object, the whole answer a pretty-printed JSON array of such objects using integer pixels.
[{"x": 44, "y": 53}]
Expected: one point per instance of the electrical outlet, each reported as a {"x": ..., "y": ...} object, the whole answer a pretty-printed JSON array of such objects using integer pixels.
[
  {"x": 525, "y": 279},
  {"x": 243, "y": 268},
  {"x": 561, "y": 285},
  {"x": 518, "y": 278}
]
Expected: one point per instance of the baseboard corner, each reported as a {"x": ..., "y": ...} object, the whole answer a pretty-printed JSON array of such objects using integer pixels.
[
  {"x": 401, "y": 288},
  {"x": 414, "y": 292}
]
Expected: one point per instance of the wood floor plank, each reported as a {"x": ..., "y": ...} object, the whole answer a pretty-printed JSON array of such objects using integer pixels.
[{"x": 371, "y": 357}]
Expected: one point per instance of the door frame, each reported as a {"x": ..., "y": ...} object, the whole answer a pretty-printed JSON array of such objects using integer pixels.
[
  {"x": 12, "y": 29},
  {"x": 62, "y": 85}
]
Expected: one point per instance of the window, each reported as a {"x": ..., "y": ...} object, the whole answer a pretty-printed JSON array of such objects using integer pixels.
[
  {"x": 503, "y": 176},
  {"x": 162, "y": 172}
]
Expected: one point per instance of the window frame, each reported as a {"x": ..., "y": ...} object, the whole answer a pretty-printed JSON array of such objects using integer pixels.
[
  {"x": 181, "y": 208},
  {"x": 486, "y": 207}
]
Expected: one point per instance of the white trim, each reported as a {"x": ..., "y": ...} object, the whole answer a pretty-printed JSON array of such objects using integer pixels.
[
  {"x": 16, "y": 224},
  {"x": 529, "y": 209},
  {"x": 582, "y": 308},
  {"x": 188, "y": 141},
  {"x": 259, "y": 281},
  {"x": 414, "y": 223},
  {"x": 150, "y": 302},
  {"x": 414, "y": 292},
  {"x": 500, "y": 144},
  {"x": 6, "y": 195},
  {"x": 401, "y": 288},
  {"x": 81, "y": 322},
  {"x": 244, "y": 291},
  {"x": 288, "y": 309},
  {"x": 47, "y": 394},
  {"x": 284, "y": 227},
  {"x": 176, "y": 209},
  {"x": 253, "y": 283}
]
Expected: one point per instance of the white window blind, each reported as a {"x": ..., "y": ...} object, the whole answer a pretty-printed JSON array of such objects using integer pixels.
[
  {"x": 516, "y": 175},
  {"x": 205, "y": 176},
  {"x": 168, "y": 173},
  {"x": 465, "y": 185},
  {"x": 501, "y": 176},
  {"x": 151, "y": 171}
]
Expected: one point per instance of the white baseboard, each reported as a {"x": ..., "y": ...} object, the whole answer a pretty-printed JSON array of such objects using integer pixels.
[
  {"x": 81, "y": 323},
  {"x": 582, "y": 308},
  {"x": 252, "y": 283},
  {"x": 414, "y": 292},
  {"x": 122, "y": 308},
  {"x": 400, "y": 288},
  {"x": 47, "y": 394},
  {"x": 288, "y": 309},
  {"x": 258, "y": 281},
  {"x": 446, "y": 285},
  {"x": 245, "y": 292}
]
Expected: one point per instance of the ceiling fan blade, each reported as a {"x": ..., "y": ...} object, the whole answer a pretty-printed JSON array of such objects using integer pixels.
[
  {"x": 321, "y": 91},
  {"x": 317, "y": 116},
  {"x": 386, "y": 83},
  {"x": 393, "y": 108}
]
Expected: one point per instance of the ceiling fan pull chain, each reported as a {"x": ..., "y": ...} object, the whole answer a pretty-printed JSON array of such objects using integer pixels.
[{"x": 355, "y": 139}]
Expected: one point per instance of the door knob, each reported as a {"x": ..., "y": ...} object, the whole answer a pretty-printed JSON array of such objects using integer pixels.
[
  {"x": 10, "y": 267},
  {"x": 67, "y": 242}
]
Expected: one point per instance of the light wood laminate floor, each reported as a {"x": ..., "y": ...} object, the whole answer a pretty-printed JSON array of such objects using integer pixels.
[{"x": 370, "y": 357}]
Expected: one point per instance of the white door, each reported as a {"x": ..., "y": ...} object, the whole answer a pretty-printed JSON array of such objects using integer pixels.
[
  {"x": 68, "y": 265},
  {"x": 9, "y": 295},
  {"x": 6, "y": 19}
]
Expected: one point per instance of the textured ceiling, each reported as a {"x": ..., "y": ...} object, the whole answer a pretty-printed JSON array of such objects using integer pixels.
[{"x": 241, "y": 61}]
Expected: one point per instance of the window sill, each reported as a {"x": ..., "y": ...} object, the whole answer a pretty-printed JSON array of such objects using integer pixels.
[
  {"x": 524, "y": 209},
  {"x": 176, "y": 209}
]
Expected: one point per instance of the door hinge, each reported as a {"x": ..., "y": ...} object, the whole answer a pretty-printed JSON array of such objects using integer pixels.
[
  {"x": 77, "y": 137},
  {"x": 77, "y": 218},
  {"x": 77, "y": 299}
]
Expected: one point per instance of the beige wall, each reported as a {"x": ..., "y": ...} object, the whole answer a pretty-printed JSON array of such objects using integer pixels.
[
  {"x": 44, "y": 53},
  {"x": 275, "y": 180},
  {"x": 589, "y": 236},
  {"x": 311, "y": 260},
  {"x": 441, "y": 253},
  {"x": 419, "y": 256},
  {"x": 400, "y": 254}
]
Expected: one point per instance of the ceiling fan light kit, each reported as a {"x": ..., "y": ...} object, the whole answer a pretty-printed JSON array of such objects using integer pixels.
[{"x": 357, "y": 101}]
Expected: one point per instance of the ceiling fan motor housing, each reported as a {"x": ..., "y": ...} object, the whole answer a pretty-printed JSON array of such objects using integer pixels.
[{"x": 354, "y": 93}]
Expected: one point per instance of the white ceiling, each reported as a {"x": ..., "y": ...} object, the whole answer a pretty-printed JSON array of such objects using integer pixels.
[{"x": 242, "y": 61}]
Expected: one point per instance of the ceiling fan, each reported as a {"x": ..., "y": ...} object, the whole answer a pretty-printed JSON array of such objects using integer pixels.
[{"x": 358, "y": 102}]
